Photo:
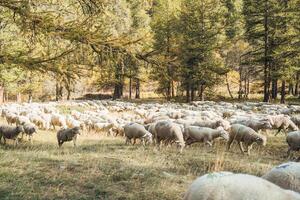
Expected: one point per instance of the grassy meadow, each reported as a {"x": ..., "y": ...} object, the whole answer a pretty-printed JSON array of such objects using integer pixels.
[{"x": 102, "y": 167}]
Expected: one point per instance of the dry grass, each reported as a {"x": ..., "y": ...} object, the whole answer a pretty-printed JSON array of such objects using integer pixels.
[{"x": 105, "y": 168}]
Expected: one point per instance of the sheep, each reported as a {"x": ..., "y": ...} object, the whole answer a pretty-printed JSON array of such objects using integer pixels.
[
  {"x": 136, "y": 131},
  {"x": 58, "y": 120},
  {"x": 11, "y": 118},
  {"x": 203, "y": 134},
  {"x": 225, "y": 185},
  {"x": 10, "y": 132},
  {"x": 37, "y": 120},
  {"x": 29, "y": 129},
  {"x": 293, "y": 140},
  {"x": 212, "y": 124},
  {"x": 286, "y": 176},
  {"x": 67, "y": 134},
  {"x": 256, "y": 125},
  {"x": 21, "y": 120},
  {"x": 243, "y": 134},
  {"x": 296, "y": 120},
  {"x": 169, "y": 132},
  {"x": 282, "y": 122}
]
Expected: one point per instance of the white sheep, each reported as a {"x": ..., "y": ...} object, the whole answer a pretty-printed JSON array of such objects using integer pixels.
[
  {"x": 136, "y": 131},
  {"x": 202, "y": 134},
  {"x": 286, "y": 176},
  {"x": 224, "y": 185},
  {"x": 58, "y": 120},
  {"x": 169, "y": 132},
  {"x": 245, "y": 135}
]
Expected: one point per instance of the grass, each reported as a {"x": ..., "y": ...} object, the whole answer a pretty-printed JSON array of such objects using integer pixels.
[{"x": 105, "y": 168}]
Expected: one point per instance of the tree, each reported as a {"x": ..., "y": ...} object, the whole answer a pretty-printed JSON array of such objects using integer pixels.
[{"x": 201, "y": 30}]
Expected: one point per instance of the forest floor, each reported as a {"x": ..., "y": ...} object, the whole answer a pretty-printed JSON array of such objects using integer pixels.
[{"x": 102, "y": 167}]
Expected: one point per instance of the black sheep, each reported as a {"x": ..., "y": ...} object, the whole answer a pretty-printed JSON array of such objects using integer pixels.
[
  {"x": 10, "y": 132},
  {"x": 67, "y": 134}
]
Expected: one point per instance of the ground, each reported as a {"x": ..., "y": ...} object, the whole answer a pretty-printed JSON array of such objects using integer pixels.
[{"x": 104, "y": 167}]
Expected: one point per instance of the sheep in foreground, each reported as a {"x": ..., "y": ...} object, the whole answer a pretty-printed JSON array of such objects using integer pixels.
[
  {"x": 10, "y": 132},
  {"x": 29, "y": 130},
  {"x": 224, "y": 185},
  {"x": 293, "y": 140},
  {"x": 168, "y": 132},
  {"x": 286, "y": 176},
  {"x": 136, "y": 131},
  {"x": 67, "y": 134},
  {"x": 202, "y": 134},
  {"x": 245, "y": 135}
]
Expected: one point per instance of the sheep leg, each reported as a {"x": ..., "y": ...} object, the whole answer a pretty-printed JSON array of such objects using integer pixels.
[
  {"x": 241, "y": 147},
  {"x": 74, "y": 142},
  {"x": 248, "y": 149},
  {"x": 209, "y": 143},
  {"x": 278, "y": 131},
  {"x": 127, "y": 141},
  {"x": 134, "y": 141},
  {"x": 289, "y": 152},
  {"x": 16, "y": 142},
  {"x": 229, "y": 143}
]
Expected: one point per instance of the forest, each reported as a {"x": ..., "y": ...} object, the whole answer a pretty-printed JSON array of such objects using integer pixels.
[{"x": 179, "y": 49}]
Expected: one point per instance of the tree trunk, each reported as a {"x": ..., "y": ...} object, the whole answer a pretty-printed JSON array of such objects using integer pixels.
[
  {"x": 130, "y": 88},
  {"x": 1, "y": 94},
  {"x": 30, "y": 97},
  {"x": 137, "y": 89},
  {"x": 188, "y": 97},
  {"x": 59, "y": 91},
  {"x": 274, "y": 89},
  {"x": 291, "y": 89},
  {"x": 282, "y": 99},
  {"x": 266, "y": 54},
  {"x": 201, "y": 92},
  {"x": 297, "y": 85},
  {"x": 173, "y": 90},
  {"x": 192, "y": 94},
  {"x": 19, "y": 97},
  {"x": 228, "y": 87},
  {"x": 240, "y": 83}
]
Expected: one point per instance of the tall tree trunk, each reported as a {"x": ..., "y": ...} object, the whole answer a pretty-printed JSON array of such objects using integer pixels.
[
  {"x": 173, "y": 89},
  {"x": 118, "y": 90},
  {"x": 188, "y": 96},
  {"x": 201, "y": 92},
  {"x": 130, "y": 88},
  {"x": 282, "y": 99},
  {"x": 137, "y": 89},
  {"x": 1, "y": 94},
  {"x": 297, "y": 85},
  {"x": 274, "y": 89},
  {"x": 19, "y": 97},
  {"x": 30, "y": 97},
  {"x": 228, "y": 87},
  {"x": 291, "y": 89},
  {"x": 266, "y": 54},
  {"x": 192, "y": 94},
  {"x": 240, "y": 83}
]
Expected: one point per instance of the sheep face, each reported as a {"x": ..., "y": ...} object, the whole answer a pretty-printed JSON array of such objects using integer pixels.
[
  {"x": 20, "y": 129},
  {"x": 267, "y": 125},
  {"x": 148, "y": 138},
  {"x": 261, "y": 141},
  {"x": 76, "y": 131}
]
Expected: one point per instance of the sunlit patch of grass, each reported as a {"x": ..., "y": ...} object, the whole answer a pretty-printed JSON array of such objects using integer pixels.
[{"x": 105, "y": 168}]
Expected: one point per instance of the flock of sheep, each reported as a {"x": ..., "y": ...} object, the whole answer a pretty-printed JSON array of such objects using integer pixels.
[{"x": 174, "y": 123}]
